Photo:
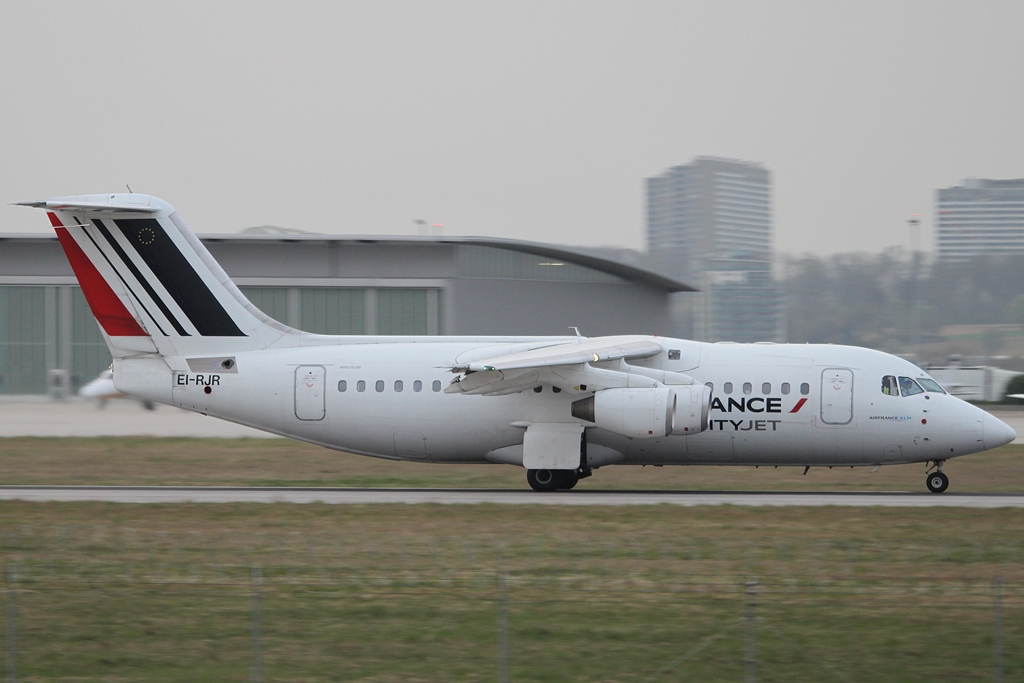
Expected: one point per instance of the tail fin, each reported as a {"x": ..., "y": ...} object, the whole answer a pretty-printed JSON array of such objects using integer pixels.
[{"x": 150, "y": 282}]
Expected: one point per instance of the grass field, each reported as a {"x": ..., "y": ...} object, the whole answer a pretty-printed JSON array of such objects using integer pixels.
[
  {"x": 108, "y": 592},
  {"x": 393, "y": 593},
  {"x": 281, "y": 462}
]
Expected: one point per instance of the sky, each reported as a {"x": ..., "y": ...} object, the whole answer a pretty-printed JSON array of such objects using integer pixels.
[{"x": 526, "y": 119}]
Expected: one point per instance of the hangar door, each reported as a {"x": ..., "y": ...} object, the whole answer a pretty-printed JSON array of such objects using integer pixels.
[
  {"x": 837, "y": 396},
  {"x": 309, "y": 392}
]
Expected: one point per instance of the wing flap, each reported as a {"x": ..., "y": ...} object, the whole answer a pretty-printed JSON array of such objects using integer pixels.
[{"x": 493, "y": 382}]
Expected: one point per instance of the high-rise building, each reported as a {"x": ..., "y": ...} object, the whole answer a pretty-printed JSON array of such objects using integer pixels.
[
  {"x": 980, "y": 217},
  {"x": 711, "y": 221},
  {"x": 709, "y": 206}
]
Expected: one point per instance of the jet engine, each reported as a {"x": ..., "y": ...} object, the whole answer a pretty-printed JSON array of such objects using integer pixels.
[{"x": 649, "y": 412}]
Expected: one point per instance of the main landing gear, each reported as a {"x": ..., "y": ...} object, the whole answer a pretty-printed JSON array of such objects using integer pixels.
[
  {"x": 553, "y": 480},
  {"x": 937, "y": 482},
  {"x": 545, "y": 480}
]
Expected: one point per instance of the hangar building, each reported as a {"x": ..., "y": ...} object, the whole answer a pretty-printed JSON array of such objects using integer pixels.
[{"x": 50, "y": 343}]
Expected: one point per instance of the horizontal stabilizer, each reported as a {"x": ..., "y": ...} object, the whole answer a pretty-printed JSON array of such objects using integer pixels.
[{"x": 88, "y": 205}]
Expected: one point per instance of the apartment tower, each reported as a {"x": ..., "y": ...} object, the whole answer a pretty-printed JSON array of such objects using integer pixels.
[{"x": 711, "y": 221}]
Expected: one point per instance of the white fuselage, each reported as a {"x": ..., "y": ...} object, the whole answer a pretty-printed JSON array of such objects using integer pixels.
[{"x": 782, "y": 404}]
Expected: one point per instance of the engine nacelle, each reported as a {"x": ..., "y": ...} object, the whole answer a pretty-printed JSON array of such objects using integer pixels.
[
  {"x": 693, "y": 408},
  {"x": 648, "y": 413}
]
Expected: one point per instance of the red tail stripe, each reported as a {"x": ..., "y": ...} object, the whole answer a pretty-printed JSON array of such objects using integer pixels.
[{"x": 109, "y": 310}]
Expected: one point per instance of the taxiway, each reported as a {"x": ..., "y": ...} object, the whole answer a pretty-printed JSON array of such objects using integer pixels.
[{"x": 365, "y": 496}]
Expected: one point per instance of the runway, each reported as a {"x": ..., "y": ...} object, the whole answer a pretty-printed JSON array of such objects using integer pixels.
[{"x": 383, "y": 496}]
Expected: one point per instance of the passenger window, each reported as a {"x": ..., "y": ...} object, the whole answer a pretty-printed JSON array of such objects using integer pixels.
[
  {"x": 889, "y": 386},
  {"x": 805, "y": 389},
  {"x": 556, "y": 390},
  {"x": 747, "y": 387},
  {"x": 766, "y": 388},
  {"x": 727, "y": 387},
  {"x": 360, "y": 385},
  {"x": 380, "y": 386},
  {"x": 710, "y": 386},
  {"x": 673, "y": 354},
  {"x": 909, "y": 387},
  {"x": 785, "y": 388},
  {"x": 417, "y": 386},
  {"x": 342, "y": 385},
  {"x": 537, "y": 390},
  {"x": 399, "y": 385},
  {"x": 436, "y": 386}
]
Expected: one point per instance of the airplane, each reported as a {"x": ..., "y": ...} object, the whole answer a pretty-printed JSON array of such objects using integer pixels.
[
  {"x": 102, "y": 389},
  {"x": 181, "y": 333}
]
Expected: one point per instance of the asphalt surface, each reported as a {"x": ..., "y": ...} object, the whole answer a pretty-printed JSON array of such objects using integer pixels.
[
  {"x": 359, "y": 496},
  {"x": 116, "y": 417}
]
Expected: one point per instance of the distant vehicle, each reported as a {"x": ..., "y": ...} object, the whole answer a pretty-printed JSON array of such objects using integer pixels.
[
  {"x": 956, "y": 389},
  {"x": 102, "y": 389},
  {"x": 181, "y": 333}
]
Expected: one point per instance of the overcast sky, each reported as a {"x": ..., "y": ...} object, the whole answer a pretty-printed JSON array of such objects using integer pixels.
[{"x": 526, "y": 119}]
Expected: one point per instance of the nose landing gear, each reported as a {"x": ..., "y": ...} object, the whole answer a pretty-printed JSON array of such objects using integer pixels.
[{"x": 937, "y": 482}]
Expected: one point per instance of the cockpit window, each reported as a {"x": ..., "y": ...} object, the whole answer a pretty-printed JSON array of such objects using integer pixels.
[
  {"x": 889, "y": 386},
  {"x": 909, "y": 387},
  {"x": 931, "y": 385}
]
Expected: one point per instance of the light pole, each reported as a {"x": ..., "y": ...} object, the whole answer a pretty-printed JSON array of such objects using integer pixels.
[{"x": 914, "y": 224}]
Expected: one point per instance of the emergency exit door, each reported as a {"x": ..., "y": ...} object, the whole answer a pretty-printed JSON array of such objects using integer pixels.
[
  {"x": 837, "y": 396},
  {"x": 309, "y": 392}
]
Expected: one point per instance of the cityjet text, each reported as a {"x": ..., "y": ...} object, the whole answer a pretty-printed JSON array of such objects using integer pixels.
[{"x": 744, "y": 425}]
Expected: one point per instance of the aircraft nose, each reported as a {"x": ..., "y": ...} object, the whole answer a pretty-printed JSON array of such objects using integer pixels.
[{"x": 995, "y": 432}]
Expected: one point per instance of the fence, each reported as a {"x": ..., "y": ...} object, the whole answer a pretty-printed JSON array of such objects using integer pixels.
[{"x": 251, "y": 623}]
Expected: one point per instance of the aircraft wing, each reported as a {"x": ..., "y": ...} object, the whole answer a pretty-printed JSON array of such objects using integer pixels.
[
  {"x": 593, "y": 350},
  {"x": 565, "y": 366}
]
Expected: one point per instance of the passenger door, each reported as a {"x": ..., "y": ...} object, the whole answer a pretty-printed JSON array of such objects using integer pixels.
[
  {"x": 836, "y": 396},
  {"x": 309, "y": 392}
]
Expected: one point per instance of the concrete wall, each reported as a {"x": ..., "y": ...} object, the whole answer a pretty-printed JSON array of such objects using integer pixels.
[{"x": 293, "y": 260}]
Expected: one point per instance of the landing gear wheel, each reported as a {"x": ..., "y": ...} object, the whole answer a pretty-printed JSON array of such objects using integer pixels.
[
  {"x": 544, "y": 480},
  {"x": 569, "y": 479},
  {"x": 937, "y": 482}
]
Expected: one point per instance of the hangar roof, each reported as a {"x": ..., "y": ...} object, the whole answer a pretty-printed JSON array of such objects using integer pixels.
[{"x": 627, "y": 264}]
